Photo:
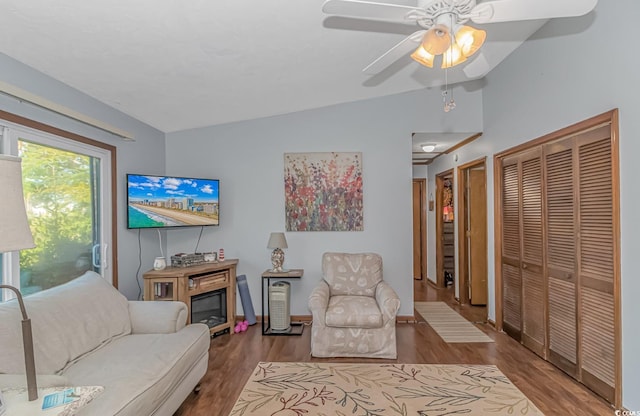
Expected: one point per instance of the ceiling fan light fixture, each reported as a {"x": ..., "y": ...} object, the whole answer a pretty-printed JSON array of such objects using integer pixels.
[
  {"x": 437, "y": 39},
  {"x": 453, "y": 56},
  {"x": 470, "y": 39},
  {"x": 421, "y": 56}
]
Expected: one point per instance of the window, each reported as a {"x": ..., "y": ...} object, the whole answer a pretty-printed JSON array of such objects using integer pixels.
[{"x": 67, "y": 182}]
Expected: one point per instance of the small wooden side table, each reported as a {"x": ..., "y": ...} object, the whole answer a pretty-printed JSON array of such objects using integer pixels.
[{"x": 296, "y": 327}]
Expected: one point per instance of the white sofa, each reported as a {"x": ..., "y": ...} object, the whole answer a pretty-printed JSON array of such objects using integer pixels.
[{"x": 88, "y": 334}]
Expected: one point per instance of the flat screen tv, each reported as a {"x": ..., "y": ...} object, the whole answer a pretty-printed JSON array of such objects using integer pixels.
[{"x": 171, "y": 201}]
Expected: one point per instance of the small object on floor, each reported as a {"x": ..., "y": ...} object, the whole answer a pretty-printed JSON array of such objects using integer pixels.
[
  {"x": 241, "y": 327},
  {"x": 448, "y": 278},
  {"x": 245, "y": 297}
]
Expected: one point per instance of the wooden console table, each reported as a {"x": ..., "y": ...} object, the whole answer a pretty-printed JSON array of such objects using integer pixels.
[{"x": 182, "y": 283}]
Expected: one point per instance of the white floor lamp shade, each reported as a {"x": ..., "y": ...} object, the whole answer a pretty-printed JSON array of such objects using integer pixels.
[
  {"x": 14, "y": 227},
  {"x": 16, "y": 235}
]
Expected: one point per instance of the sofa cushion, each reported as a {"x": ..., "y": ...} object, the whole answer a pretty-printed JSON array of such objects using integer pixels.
[
  {"x": 353, "y": 312},
  {"x": 139, "y": 371},
  {"x": 352, "y": 273},
  {"x": 68, "y": 321}
]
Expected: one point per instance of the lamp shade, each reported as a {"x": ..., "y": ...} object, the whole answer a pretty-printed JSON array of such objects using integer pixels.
[
  {"x": 423, "y": 57},
  {"x": 470, "y": 39},
  {"x": 453, "y": 56},
  {"x": 277, "y": 240},
  {"x": 14, "y": 227},
  {"x": 437, "y": 40}
]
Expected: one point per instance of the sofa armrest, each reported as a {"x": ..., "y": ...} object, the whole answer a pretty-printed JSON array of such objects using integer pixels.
[
  {"x": 157, "y": 317},
  {"x": 318, "y": 302},
  {"x": 388, "y": 301},
  {"x": 43, "y": 381}
]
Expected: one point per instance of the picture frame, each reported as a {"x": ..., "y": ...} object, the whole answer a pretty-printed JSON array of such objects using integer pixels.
[{"x": 323, "y": 191}]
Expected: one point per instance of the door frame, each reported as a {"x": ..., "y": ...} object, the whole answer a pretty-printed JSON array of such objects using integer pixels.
[
  {"x": 422, "y": 227},
  {"x": 439, "y": 179},
  {"x": 463, "y": 265}
]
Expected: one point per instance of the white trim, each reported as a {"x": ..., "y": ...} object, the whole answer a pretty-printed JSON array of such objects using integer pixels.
[{"x": 38, "y": 101}]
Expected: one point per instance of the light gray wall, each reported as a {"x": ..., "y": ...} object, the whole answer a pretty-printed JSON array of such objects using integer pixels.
[
  {"x": 145, "y": 155},
  {"x": 247, "y": 157},
  {"x": 568, "y": 72}
]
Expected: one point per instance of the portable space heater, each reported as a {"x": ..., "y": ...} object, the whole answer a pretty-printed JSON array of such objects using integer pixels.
[{"x": 279, "y": 300}]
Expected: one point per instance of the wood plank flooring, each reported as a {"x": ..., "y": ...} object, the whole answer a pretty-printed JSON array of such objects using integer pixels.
[{"x": 233, "y": 357}]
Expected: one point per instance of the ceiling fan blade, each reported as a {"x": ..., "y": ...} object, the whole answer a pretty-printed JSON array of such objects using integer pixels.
[
  {"x": 510, "y": 10},
  {"x": 408, "y": 44},
  {"x": 477, "y": 68},
  {"x": 371, "y": 10}
]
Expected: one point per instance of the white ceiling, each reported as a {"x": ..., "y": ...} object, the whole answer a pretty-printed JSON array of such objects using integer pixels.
[
  {"x": 444, "y": 143},
  {"x": 177, "y": 65}
]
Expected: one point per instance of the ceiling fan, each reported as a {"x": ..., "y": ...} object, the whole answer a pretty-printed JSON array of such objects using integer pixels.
[{"x": 442, "y": 26}]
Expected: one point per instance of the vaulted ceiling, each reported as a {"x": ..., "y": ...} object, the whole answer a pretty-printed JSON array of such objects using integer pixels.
[{"x": 179, "y": 65}]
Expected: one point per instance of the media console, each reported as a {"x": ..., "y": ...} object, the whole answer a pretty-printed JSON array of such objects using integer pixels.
[{"x": 208, "y": 290}]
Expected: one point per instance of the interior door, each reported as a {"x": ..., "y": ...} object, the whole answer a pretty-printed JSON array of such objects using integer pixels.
[
  {"x": 533, "y": 291},
  {"x": 561, "y": 257},
  {"x": 510, "y": 256},
  {"x": 596, "y": 262},
  {"x": 477, "y": 236},
  {"x": 419, "y": 230}
]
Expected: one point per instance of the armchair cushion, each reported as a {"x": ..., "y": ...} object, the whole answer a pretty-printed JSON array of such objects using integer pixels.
[
  {"x": 353, "y": 312},
  {"x": 352, "y": 273}
]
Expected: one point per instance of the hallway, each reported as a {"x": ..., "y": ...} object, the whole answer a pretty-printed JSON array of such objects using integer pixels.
[{"x": 425, "y": 292}]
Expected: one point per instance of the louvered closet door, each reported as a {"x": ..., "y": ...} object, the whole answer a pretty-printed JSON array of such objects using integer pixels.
[
  {"x": 511, "y": 278},
  {"x": 522, "y": 277},
  {"x": 533, "y": 299},
  {"x": 561, "y": 255},
  {"x": 596, "y": 262}
]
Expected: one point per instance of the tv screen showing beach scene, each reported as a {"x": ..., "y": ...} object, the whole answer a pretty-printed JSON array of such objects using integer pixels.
[{"x": 170, "y": 201}]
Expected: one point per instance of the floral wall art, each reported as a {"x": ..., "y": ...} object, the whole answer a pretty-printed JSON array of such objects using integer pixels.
[{"x": 323, "y": 191}]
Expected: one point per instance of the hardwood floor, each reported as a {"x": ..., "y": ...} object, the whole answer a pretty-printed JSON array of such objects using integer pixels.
[{"x": 233, "y": 358}]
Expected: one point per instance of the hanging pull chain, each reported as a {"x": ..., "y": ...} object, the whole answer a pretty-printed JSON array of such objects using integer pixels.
[{"x": 451, "y": 104}]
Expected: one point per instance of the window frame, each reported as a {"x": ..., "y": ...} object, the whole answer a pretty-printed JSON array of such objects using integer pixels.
[{"x": 66, "y": 138}]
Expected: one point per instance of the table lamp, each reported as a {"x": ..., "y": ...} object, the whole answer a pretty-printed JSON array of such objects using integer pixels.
[
  {"x": 277, "y": 242},
  {"x": 16, "y": 235}
]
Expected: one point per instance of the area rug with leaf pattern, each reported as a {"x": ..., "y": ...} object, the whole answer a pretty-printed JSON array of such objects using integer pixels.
[{"x": 329, "y": 389}]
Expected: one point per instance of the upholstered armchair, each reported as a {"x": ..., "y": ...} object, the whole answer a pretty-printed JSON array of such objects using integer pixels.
[{"x": 354, "y": 310}]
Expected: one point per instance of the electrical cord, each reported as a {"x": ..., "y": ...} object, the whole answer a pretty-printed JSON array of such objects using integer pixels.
[
  {"x": 160, "y": 241},
  {"x": 200, "y": 236},
  {"x": 139, "y": 267}
]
